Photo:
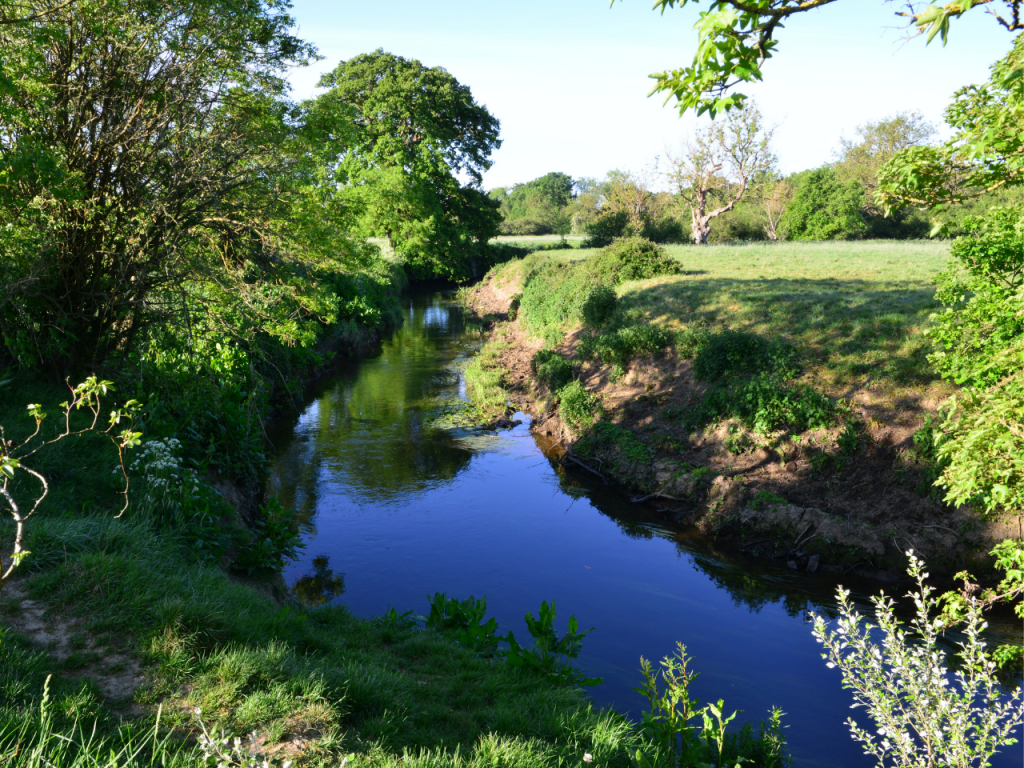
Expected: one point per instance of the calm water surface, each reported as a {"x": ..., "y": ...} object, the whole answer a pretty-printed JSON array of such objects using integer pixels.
[{"x": 405, "y": 510}]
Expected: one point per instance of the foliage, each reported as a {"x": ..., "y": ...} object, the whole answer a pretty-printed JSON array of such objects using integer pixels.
[
  {"x": 551, "y": 369},
  {"x": 416, "y": 130},
  {"x": 599, "y": 306},
  {"x": 227, "y": 752},
  {"x": 736, "y": 37},
  {"x": 464, "y": 620},
  {"x": 536, "y": 207},
  {"x": 924, "y": 715},
  {"x": 764, "y": 404},
  {"x": 980, "y": 335},
  {"x": 619, "y": 345},
  {"x": 16, "y": 456},
  {"x": 673, "y": 741},
  {"x": 733, "y": 353},
  {"x": 550, "y": 654},
  {"x": 629, "y": 258},
  {"x": 1009, "y": 558},
  {"x": 604, "y": 433},
  {"x": 577, "y": 406},
  {"x": 723, "y": 162},
  {"x": 155, "y": 155},
  {"x": 985, "y": 153},
  {"x": 276, "y": 539},
  {"x": 825, "y": 208}
]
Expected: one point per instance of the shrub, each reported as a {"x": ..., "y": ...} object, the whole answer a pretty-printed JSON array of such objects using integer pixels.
[
  {"x": 551, "y": 369},
  {"x": 578, "y": 407},
  {"x": 981, "y": 335},
  {"x": 620, "y": 346},
  {"x": 764, "y": 404},
  {"x": 825, "y": 208},
  {"x": 924, "y": 716},
  {"x": 630, "y": 258},
  {"x": 732, "y": 353},
  {"x": 599, "y": 306}
]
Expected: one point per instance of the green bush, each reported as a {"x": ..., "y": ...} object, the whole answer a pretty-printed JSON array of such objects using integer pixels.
[
  {"x": 825, "y": 208},
  {"x": 763, "y": 404},
  {"x": 578, "y": 407},
  {"x": 599, "y": 306},
  {"x": 981, "y": 340},
  {"x": 513, "y": 306},
  {"x": 621, "y": 345},
  {"x": 551, "y": 369},
  {"x": 732, "y": 353},
  {"x": 630, "y": 258}
]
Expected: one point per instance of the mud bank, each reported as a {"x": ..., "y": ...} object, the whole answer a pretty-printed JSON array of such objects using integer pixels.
[{"x": 805, "y": 499}]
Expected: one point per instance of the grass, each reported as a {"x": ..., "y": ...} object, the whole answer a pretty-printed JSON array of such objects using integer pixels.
[
  {"x": 856, "y": 311},
  {"x": 384, "y": 693}
]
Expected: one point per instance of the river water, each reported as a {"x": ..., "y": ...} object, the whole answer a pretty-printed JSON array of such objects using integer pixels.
[{"x": 404, "y": 509}]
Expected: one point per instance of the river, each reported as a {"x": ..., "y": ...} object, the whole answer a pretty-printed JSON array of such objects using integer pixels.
[{"x": 404, "y": 510}]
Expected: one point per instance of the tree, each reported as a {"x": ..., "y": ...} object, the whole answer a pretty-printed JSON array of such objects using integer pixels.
[
  {"x": 986, "y": 152},
  {"x": 538, "y": 206},
  {"x": 717, "y": 168},
  {"x": 774, "y": 196},
  {"x": 825, "y": 208},
  {"x": 878, "y": 143},
  {"x": 416, "y": 130},
  {"x": 140, "y": 147},
  {"x": 736, "y": 37}
]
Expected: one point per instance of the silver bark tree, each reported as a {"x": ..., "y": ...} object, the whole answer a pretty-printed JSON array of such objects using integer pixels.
[{"x": 716, "y": 168}]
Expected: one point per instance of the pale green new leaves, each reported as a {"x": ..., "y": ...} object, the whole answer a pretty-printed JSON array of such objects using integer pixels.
[
  {"x": 924, "y": 715},
  {"x": 735, "y": 37}
]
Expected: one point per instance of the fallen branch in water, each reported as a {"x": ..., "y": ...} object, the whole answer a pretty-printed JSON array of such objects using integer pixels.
[
  {"x": 655, "y": 495},
  {"x": 588, "y": 468}
]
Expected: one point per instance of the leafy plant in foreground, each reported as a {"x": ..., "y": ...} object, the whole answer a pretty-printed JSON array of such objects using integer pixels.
[
  {"x": 550, "y": 653},
  {"x": 924, "y": 716},
  {"x": 13, "y": 455},
  {"x": 464, "y": 620},
  {"x": 578, "y": 407},
  {"x": 673, "y": 741}
]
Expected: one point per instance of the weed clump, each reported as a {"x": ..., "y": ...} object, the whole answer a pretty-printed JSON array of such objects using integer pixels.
[
  {"x": 764, "y": 404},
  {"x": 604, "y": 434},
  {"x": 578, "y": 407},
  {"x": 630, "y": 258},
  {"x": 621, "y": 345},
  {"x": 552, "y": 369},
  {"x": 599, "y": 306},
  {"x": 732, "y": 353}
]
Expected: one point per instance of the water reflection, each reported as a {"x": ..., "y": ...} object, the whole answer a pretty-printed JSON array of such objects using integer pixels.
[
  {"x": 368, "y": 435},
  {"x": 320, "y": 586}
]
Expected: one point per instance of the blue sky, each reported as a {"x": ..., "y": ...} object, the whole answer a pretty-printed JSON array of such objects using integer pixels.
[{"x": 569, "y": 78}]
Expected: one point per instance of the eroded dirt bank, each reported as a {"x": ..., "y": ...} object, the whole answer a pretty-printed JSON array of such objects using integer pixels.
[{"x": 805, "y": 500}]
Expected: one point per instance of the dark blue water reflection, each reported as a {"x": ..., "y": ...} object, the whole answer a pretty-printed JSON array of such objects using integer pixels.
[{"x": 404, "y": 510}]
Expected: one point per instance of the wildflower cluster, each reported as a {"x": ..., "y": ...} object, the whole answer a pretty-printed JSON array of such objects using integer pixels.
[
  {"x": 924, "y": 715},
  {"x": 226, "y": 752}
]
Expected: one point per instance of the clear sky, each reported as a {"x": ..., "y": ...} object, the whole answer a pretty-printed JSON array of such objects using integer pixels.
[{"x": 568, "y": 79}]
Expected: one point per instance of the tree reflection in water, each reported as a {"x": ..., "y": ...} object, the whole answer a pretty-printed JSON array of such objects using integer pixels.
[{"x": 321, "y": 585}]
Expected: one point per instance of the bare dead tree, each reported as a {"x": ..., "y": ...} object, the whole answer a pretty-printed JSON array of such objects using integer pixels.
[{"x": 716, "y": 168}]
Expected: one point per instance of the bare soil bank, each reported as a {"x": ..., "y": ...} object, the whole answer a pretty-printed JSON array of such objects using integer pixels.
[{"x": 797, "y": 503}]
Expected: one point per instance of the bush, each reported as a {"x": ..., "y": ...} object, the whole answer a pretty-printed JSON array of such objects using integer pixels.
[
  {"x": 904, "y": 685},
  {"x": 825, "y": 208},
  {"x": 620, "y": 346},
  {"x": 630, "y": 258},
  {"x": 764, "y": 404},
  {"x": 525, "y": 227},
  {"x": 599, "y": 306},
  {"x": 981, "y": 335},
  {"x": 732, "y": 353},
  {"x": 552, "y": 369},
  {"x": 606, "y": 228},
  {"x": 578, "y": 407}
]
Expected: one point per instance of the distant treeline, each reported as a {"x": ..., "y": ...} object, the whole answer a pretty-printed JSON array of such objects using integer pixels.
[{"x": 833, "y": 202}]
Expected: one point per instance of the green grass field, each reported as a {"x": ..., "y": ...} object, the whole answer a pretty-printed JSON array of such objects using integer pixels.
[{"x": 856, "y": 310}]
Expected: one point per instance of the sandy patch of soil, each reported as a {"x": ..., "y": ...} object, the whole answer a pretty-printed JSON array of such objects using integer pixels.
[{"x": 116, "y": 674}]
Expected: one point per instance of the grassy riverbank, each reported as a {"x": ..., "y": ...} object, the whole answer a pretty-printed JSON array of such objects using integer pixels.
[
  {"x": 114, "y": 622},
  {"x": 775, "y": 392}
]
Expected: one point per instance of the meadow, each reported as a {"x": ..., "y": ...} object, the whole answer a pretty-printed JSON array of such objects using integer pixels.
[{"x": 857, "y": 311}]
